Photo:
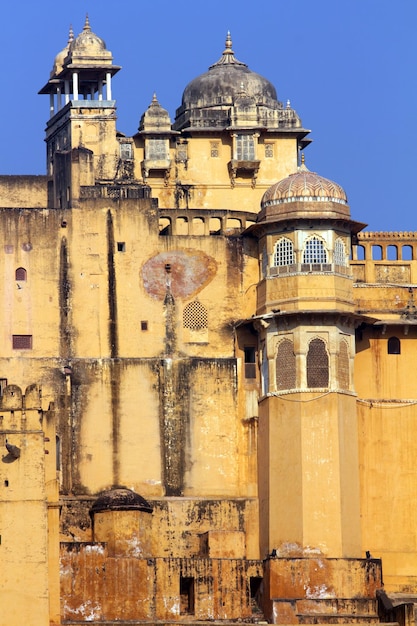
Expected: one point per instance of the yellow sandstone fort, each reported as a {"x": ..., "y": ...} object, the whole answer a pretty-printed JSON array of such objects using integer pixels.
[{"x": 208, "y": 401}]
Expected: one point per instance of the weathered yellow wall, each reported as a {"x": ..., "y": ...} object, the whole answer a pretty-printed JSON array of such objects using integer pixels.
[{"x": 311, "y": 440}]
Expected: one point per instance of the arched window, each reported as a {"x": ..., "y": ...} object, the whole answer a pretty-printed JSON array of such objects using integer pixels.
[
  {"x": 284, "y": 252},
  {"x": 339, "y": 252},
  {"x": 394, "y": 345},
  {"x": 314, "y": 251},
  {"x": 195, "y": 316},
  {"x": 343, "y": 365},
  {"x": 285, "y": 365},
  {"x": 20, "y": 274},
  {"x": 317, "y": 364}
]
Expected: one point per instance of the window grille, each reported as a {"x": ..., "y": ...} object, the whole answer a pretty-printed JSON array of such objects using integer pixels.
[
  {"x": 314, "y": 251},
  {"x": 339, "y": 252},
  {"x": 3, "y": 385},
  {"x": 285, "y": 365},
  {"x": 343, "y": 365},
  {"x": 394, "y": 345},
  {"x": 317, "y": 364},
  {"x": 245, "y": 148},
  {"x": 264, "y": 261},
  {"x": 195, "y": 316},
  {"x": 156, "y": 149},
  {"x": 214, "y": 149},
  {"x": 20, "y": 274},
  {"x": 126, "y": 151},
  {"x": 269, "y": 150},
  {"x": 22, "y": 342},
  {"x": 284, "y": 252}
]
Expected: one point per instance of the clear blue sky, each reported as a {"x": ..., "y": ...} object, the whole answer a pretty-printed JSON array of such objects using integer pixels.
[{"x": 349, "y": 68}]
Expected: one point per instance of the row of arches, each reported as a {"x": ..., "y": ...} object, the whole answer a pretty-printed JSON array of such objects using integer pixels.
[
  {"x": 377, "y": 252},
  {"x": 314, "y": 251},
  {"x": 199, "y": 225},
  {"x": 317, "y": 364}
]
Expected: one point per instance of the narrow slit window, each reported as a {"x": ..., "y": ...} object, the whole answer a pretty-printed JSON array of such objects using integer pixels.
[
  {"x": 250, "y": 361},
  {"x": 187, "y": 595}
]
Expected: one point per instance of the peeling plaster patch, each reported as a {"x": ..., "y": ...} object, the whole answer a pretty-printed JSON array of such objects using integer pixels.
[
  {"x": 296, "y": 550},
  {"x": 135, "y": 547},
  {"x": 89, "y": 611},
  {"x": 191, "y": 270},
  {"x": 91, "y": 548},
  {"x": 319, "y": 592}
]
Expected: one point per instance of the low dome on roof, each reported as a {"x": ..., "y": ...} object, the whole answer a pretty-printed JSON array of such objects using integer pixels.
[
  {"x": 120, "y": 499},
  {"x": 304, "y": 194}
]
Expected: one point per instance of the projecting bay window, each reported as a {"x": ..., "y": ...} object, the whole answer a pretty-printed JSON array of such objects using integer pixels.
[
  {"x": 245, "y": 147},
  {"x": 244, "y": 163},
  {"x": 156, "y": 156}
]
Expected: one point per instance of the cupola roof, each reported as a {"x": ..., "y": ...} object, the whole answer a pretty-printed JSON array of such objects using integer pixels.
[
  {"x": 88, "y": 44},
  {"x": 208, "y": 98},
  {"x": 304, "y": 185},
  {"x": 61, "y": 56},
  {"x": 120, "y": 499},
  {"x": 304, "y": 194},
  {"x": 155, "y": 119}
]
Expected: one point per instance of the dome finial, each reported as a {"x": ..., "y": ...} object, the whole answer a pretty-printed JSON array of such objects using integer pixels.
[
  {"x": 228, "y": 44},
  {"x": 303, "y": 167},
  {"x": 70, "y": 35},
  {"x": 87, "y": 26},
  {"x": 228, "y": 56}
]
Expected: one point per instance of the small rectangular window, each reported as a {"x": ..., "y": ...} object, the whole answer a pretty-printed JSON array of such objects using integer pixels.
[
  {"x": 214, "y": 149},
  {"x": 22, "y": 342},
  {"x": 3, "y": 385},
  {"x": 121, "y": 246},
  {"x": 269, "y": 150},
  {"x": 144, "y": 325},
  {"x": 250, "y": 361},
  {"x": 126, "y": 151}
]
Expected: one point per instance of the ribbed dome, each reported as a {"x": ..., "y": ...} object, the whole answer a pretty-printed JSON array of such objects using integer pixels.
[
  {"x": 220, "y": 88},
  {"x": 120, "y": 499},
  {"x": 304, "y": 194},
  {"x": 304, "y": 185}
]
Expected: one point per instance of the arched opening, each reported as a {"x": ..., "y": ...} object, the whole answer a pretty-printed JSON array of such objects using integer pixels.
[{"x": 394, "y": 345}]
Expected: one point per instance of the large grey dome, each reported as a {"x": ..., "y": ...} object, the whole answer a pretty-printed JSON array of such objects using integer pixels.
[{"x": 207, "y": 99}]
